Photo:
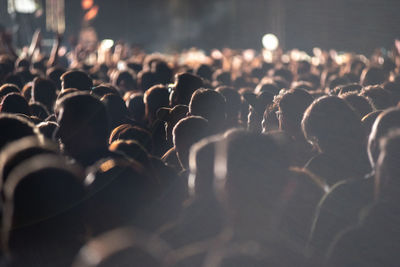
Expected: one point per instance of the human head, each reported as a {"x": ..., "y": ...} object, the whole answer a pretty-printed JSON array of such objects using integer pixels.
[
  {"x": 250, "y": 172},
  {"x": 187, "y": 132},
  {"x": 129, "y": 132},
  {"x": 291, "y": 107},
  {"x": 387, "y": 165},
  {"x": 360, "y": 103},
  {"x": 44, "y": 91},
  {"x": 32, "y": 221},
  {"x": 333, "y": 126},
  {"x": 117, "y": 110},
  {"x": 76, "y": 79},
  {"x": 372, "y": 76},
  {"x": 14, "y": 127},
  {"x": 384, "y": 123},
  {"x": 15, "y": 103},
  {"x": 379, "y": 97},
  {"x": 210, "y": 105},
  {"x": 7, "y": 88},
  {"x": 185, "y": 85},
  {"x": 136, "y": 107},
  {"x": 155, "y": 98},
  {"x": 83, "y": 126},
  {"x": 233, "y": 104}
]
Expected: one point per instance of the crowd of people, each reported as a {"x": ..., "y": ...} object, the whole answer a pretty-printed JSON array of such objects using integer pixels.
[{"x": 110, "y": 156}]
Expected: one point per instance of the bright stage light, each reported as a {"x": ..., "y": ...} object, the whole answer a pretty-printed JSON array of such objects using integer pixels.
[
  {"x": 107, "y": 43},
  {"x": 270, "y": 41}
]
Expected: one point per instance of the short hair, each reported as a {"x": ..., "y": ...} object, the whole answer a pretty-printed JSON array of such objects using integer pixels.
[
  {"x": 384, "y": 123},
  {"x": 208, "y": 104},
  {"x": 76, "y": 79},
  {"x": 330, "y": 122},
  {"x": 360, "y": 103},
  {"x": 187, "y": 132},
  {"x": 129, "y": 132},
  {"x": 15, "y": 103},
  {"x": 7, "y": 88},
  {"x": 154, "y": 98},
  {"x": 14, "y": 127},
  {"x": 86, "y": 109},
  {"x": 379, "y": 97},
  {"x": 185, "y": 85},
  {"x": 233, "y": 101},
  {"x": 293, "y": 103},
  {"x": 372, "y": 76},
  {"x": 44, "y": 91}
]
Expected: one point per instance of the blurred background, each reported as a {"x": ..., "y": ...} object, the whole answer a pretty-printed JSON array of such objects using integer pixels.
[{"x": 167, "y": 25}]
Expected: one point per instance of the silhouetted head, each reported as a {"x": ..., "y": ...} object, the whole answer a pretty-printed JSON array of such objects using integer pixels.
[
  {"x": 54, "y": 74},
  {"x": 333, "y": 126},
  {"x": 387, "y": 166},
  {"x": 136, "y": 107},
  {"x": 233, "y": 104},
  {"x": 76, "y": 79},
  {"x": 83, "y": 126},
  {"x": 384, "y": 123},
  {"x": 379, "y": 97},
  {"x": 39, "y": 110},
  {"x": 44, "y": 91},
  {"x": 360, "y": 103},
  {"x": 210, "y": 105},
  {"x": 116, "y": 109},
  {"x": 129, "y": 132},
  {"x": 155, "y": 98},
  {"x": 372, "y": 76},
  {"x": 291, "y": 107},
  {"x": 125, "y": 81},
  {"x": 15, "y": 103},
  {"x": 7, "y": 88},
  {"x": 14, "y": 127},
  {"x": 187, "y": 132},
  {"x": 42, "y": 209},
  {"x": 185, "y": 85},
  {"x": 104, "y": 89}
]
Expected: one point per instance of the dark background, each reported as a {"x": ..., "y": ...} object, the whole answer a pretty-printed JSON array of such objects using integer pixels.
[{"x": 356, "y": 25}]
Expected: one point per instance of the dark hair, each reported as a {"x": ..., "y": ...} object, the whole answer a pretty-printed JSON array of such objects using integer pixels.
[
  {"x": 154, "y": 98},
  {"x": 7, "y": 88},
  {"x": 185, "y": 85},
  {"x": 187, "y": 132},
  {"x": 76, "y": 79},
  {"x": 44, "y": 91},
  {"x": 360, "y": 103},
  {"x": 129, "y": 132},
  {"x": 210, "y": 105},
  {"x": 15, "y": 103},
  {"x": 384, "y": 123},
  {"x": 332, "y": 124}
]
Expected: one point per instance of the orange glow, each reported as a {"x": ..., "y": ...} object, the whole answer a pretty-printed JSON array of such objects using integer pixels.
[
  {"x": 91, "y": 14},
  {"x": 86, "y": 4}
]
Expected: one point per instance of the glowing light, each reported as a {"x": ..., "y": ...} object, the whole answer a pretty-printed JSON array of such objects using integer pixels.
[
  {"x": 91, "y": 14},
  {"x": 86, "y": 4},
  {"x": 270, "y": 42},
  {"x": 107, "y": 43}
]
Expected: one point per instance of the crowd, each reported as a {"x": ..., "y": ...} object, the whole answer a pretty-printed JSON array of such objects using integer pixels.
[{"x": 110, "y": 156}]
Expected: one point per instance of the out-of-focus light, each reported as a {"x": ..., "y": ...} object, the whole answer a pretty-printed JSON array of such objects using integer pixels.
[
  {"x": 107, "y": 43},
  {"x": 317, "y": 51},
  {"x": 91, "y": 14},
  {"x": 86, "y": 4},
  {"x": 216, "y": 54},
  {"x": 270, "y": 42},
  {"x": 249, "y": 54}
]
